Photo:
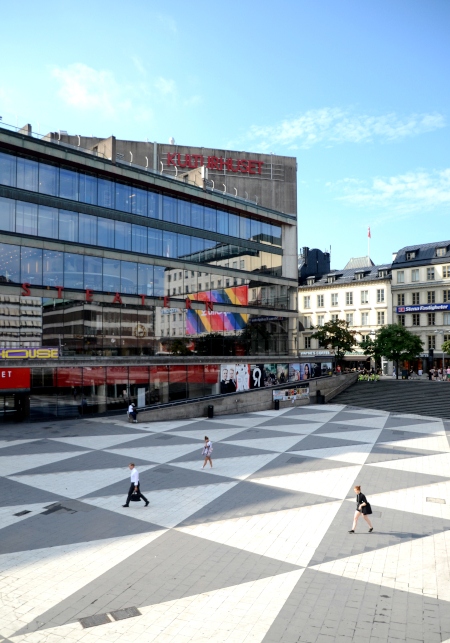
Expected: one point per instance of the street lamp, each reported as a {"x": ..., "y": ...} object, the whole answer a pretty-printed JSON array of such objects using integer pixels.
[{"x": 441, "y": 331}]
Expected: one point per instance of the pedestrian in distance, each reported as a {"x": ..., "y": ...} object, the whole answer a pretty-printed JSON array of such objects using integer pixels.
[
  {"x": 134, "y": 486},
  {"x": 362, "y": 508},
  {"x": 206, "y": 451},
  {"x": 132, "y": 413}
]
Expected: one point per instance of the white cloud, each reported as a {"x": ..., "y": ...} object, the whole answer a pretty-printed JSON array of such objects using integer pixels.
[
  {"x": 334, "y": 125},
  {"x": 405, "y": 193},
  {"x": 165, "y": 86},
  {"x": 86, "y": 88}
]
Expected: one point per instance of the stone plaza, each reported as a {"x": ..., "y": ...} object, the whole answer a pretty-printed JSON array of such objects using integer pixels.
[{"x": 255, "y": 549}]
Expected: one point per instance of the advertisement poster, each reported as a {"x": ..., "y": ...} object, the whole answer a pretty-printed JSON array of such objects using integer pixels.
[
  {"x": 292, "y": 394},
  {"x": 311, "y": 370},
  {"x": 234, "y": 378},
  {"x": 205, "y": 321}
]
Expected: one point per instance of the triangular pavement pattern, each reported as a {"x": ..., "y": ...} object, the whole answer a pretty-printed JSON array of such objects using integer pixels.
[
  {"x": 419, "y": 566},
  {"x": 375, "y": 480},
  {"x": 16, "y": 463},
  {"x": 438, "y": 465},
  {"x": 85, "y": 462},
  {"x": 417, "y": 499},
  {"x": 15, "y": 493},
  {"x": 239, "y": 468},
  {"x": 331, "y": 483},
  {"x": 214, "y": 435},
  {"x": 160, "y": 454},
  {"x": 370, "y": 422},
  {"x": 224, "y": 450},
  {"x": 287, "y": 463},
  {"x": 13, "y": 443},
  {"x": 168, "y": 507},
  {"x": 301, "y": 428},
  {"x": 429, "y": 443},
  {"x": 291, "y": 535},
  {"x": 73, "y": 484},
  {"x": 99, "y": 441},
  {"x": 356, "y": 454},
  {"x": 367, "y": 436},
  {"x": 325, "y": 442},
  {"x": 273, "y": 422},
  {"x": 385, "y": 452},
  {"x": 279, "y": 445}
]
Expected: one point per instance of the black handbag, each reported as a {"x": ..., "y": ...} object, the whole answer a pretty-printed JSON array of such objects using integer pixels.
[
  {"x": 367, "y": 509},
  {"x": 135, "y": 497}
]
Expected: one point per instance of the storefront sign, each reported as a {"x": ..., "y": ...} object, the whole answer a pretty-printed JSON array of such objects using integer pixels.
[
  {"x": 426, "y": 308},
  {"x": 314, "y": 353},
  {"x": 297, "y": 393},
  {"x": 29, "y": 353},
  {"x": 192, "y": 161},
  {"x": 14, "y": 378}
]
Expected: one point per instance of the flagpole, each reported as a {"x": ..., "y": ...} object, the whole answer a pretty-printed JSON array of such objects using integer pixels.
[{"x": 368, "y": 242}]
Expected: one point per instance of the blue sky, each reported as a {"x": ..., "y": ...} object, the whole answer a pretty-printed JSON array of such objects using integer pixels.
[{"x": 357, "y": 91}]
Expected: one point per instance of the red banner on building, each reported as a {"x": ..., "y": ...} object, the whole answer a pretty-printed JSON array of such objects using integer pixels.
[{"x": 14, "y": 378}]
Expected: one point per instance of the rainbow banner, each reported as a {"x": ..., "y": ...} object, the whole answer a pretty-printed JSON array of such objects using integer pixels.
[
  {"x": 236, "y": 295},
  {"x": 205, "y": 321}
]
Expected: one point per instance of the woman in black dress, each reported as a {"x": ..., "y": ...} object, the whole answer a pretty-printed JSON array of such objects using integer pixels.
[{"x": 362, "y": 508}]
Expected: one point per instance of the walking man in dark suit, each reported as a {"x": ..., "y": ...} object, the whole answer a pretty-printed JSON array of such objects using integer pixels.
[{"x": 134, "y": 487}]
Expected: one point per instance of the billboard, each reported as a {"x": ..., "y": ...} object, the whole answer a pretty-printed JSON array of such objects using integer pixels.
[
  {"x": 296, "y": 393},
  {"x": 212, "y": 321}
]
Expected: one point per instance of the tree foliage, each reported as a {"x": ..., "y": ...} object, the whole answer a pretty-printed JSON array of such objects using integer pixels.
[
  {"x": 179, "y": 347},
  {"x": 446, "y": 346},
  {"x": 336, "y": 335},
  {"x": 396, "y": 343}
]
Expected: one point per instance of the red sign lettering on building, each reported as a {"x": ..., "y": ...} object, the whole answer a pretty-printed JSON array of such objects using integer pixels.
[
  {"x": 191, "y": 161},
  {"x": 14, "y": 378}
]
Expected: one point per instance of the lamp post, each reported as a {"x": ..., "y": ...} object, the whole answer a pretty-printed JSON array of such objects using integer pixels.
[{"x": 441, "y": 331}]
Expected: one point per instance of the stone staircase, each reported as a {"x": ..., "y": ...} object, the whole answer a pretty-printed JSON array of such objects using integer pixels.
[{"x": 420, "y": 397}]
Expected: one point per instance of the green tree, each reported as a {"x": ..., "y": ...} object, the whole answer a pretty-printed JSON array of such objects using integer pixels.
[
  {"x": 179, "y": 347},
  {"x": 446, "y": 346},
  {"x": 396, "y": 343},
  {"x": 336, "y": 335}
]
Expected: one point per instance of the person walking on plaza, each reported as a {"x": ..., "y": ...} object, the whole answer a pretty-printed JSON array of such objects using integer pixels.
[
  {"x": 362, "y": 508},
  {"x": 132, "y": 412},
  {"x": 134, "y": 486},
  {"x": 207, "y": 450}
]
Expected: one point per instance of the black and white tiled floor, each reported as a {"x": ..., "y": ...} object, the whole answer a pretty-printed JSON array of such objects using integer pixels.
[{"x": 255, "y": 549}]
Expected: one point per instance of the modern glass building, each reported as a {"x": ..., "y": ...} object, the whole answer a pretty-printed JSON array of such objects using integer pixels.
[{"x": 118, "y": 271}]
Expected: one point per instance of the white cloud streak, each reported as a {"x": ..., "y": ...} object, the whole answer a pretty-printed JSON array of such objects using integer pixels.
[
  {"x": 405, "y": 193},
  {"x": 332, "y": 126}
]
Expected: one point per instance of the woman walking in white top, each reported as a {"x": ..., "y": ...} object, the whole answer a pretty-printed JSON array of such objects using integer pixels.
[{"x": 207, "y": 450}]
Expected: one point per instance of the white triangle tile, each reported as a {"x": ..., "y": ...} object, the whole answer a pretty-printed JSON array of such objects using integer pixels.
[
  {"x": 419, "y": 566},
  {"x": 82, "y": 563},
  {"x": 331, "y": 483},
  {"x": 100, "y": 441},
  {"x": 240, "y": 613},
  {"x": 370, "y": 422},
  {"x": 431, "y": 428},
  {"x": 75, "y": 484},
  {"x": 8, "y": 518},
  {"x": 437, "y": 465},
  {"x": 280, "y": 444},
  {"x": 431, "y": 443},
  {"x": 413, "y": 416},
  {"x": 160, "y": 454},
  {"x": 366, "y": 435},
  {"x": 271, "y": 413},
  {"x": 316, "y": 417},
  {"x": 168, "y": 507},
  {"x": 245, "y": 423},
  {"x": 291, "y": 535},
  {"x": 17, "y": 463},
  {"x": 13, "y": 443},
  {"x": 298, "y": 429},
  {"x": 240, "y": 467},
  {"x": 160, "y": 427},
  {"x": 361, "y": 411},
  {"x": 216, "y": 435},
  {"x": 414, "y": 500},
  {"x": 332, "y": 407},
  {"x": 355, "y": 453}
]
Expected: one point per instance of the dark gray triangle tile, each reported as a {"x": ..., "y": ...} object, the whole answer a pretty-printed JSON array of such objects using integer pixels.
[
  {"x": 14, "y": 493},
  {"x": 288, "y": 463},
  {"x": 251, "y": 499},
  {"x": 163, "y": 476},
  {"x": 161, "y": 571},
  {"x": 85, "y": 462},
  {"x": 379, "y": 480},
  {"x": 330, "y": 427},
  {"x": 344, "y": 416},
  {"x": 286, "y": 421},
  {"x": 222, "y": 450},
  {"x": 304, "y": 411},
  {"x": 326, "y": 607},
  {"x": 394, "y": 435},
  {"x": 395, "y": 420},
  {"x": 162, "y": 439},
  {"x": 205, "y": 426},
  {"x": 392, "y": 528},
  {"x": 385, "y": 452},
  {"x": 256, "y": 434},
  {"x": 40, "y": 446},
  {"x": 68, "y": 527},
  {"x": 318, "y": 442}
]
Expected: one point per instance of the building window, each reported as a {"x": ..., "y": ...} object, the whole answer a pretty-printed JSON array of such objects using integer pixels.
[
  {"x": 446, "y": 321},
  {"x": 430, "y": 274},
  {"x": 446, "y": 296},
  {"x": 242, "y": 264},
  {"x": 410, "y": 255},
  {"x": 334, "y": 299},
  {"x": 227, "y": 283},
  {"x": 401, "y": 299},
  {"x": 431, "y": 341},
  {"x": 416, "y": 298},
  {"x": 349, "y": 319},
  {"x": 364, "y": 296},
  {"x": 364, "y": 319},
  {"x": 441, "y": 252},
  {"x": 445, "y": 272},
  {"x": 446, "y": 338},
  {"x": 349, "y": 298},
  {"x": 431, "y": 319},
  {"x": 307, "y": 322},
  {"x": 334, "y": 318},
  {"x": 307, "y": 302},
  {"x": 320, "y": 320},
  {"x": 320, "y": 299},
  {"x": 415, "y": 274},
  {"x": 416, "y": 319},
  {"x": 401, "y": 320},
  {"x": 431, "y": 297},
  {"x": 400, "y": 276},
  {"x": 380, "y": 296},
  {"x": 307, "y": 342},
  {"x": 380, "y": 317}
]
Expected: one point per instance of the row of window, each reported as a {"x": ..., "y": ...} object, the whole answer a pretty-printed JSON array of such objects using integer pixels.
[
  {"x": 412, "y": 254},
  {"x": 349, "y": 318},
  {"x": 430, "y": 297},
  {"x": 430, "y": 318},
  {"x": 349, "y": 298},
  {"x": 431, "y": 273},
  {"x": 30, "y": 219},
  {"x": 50, "y": 179}
]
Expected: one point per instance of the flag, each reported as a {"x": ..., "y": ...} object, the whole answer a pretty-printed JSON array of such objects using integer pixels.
[{"x": 368, "y": 233}]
